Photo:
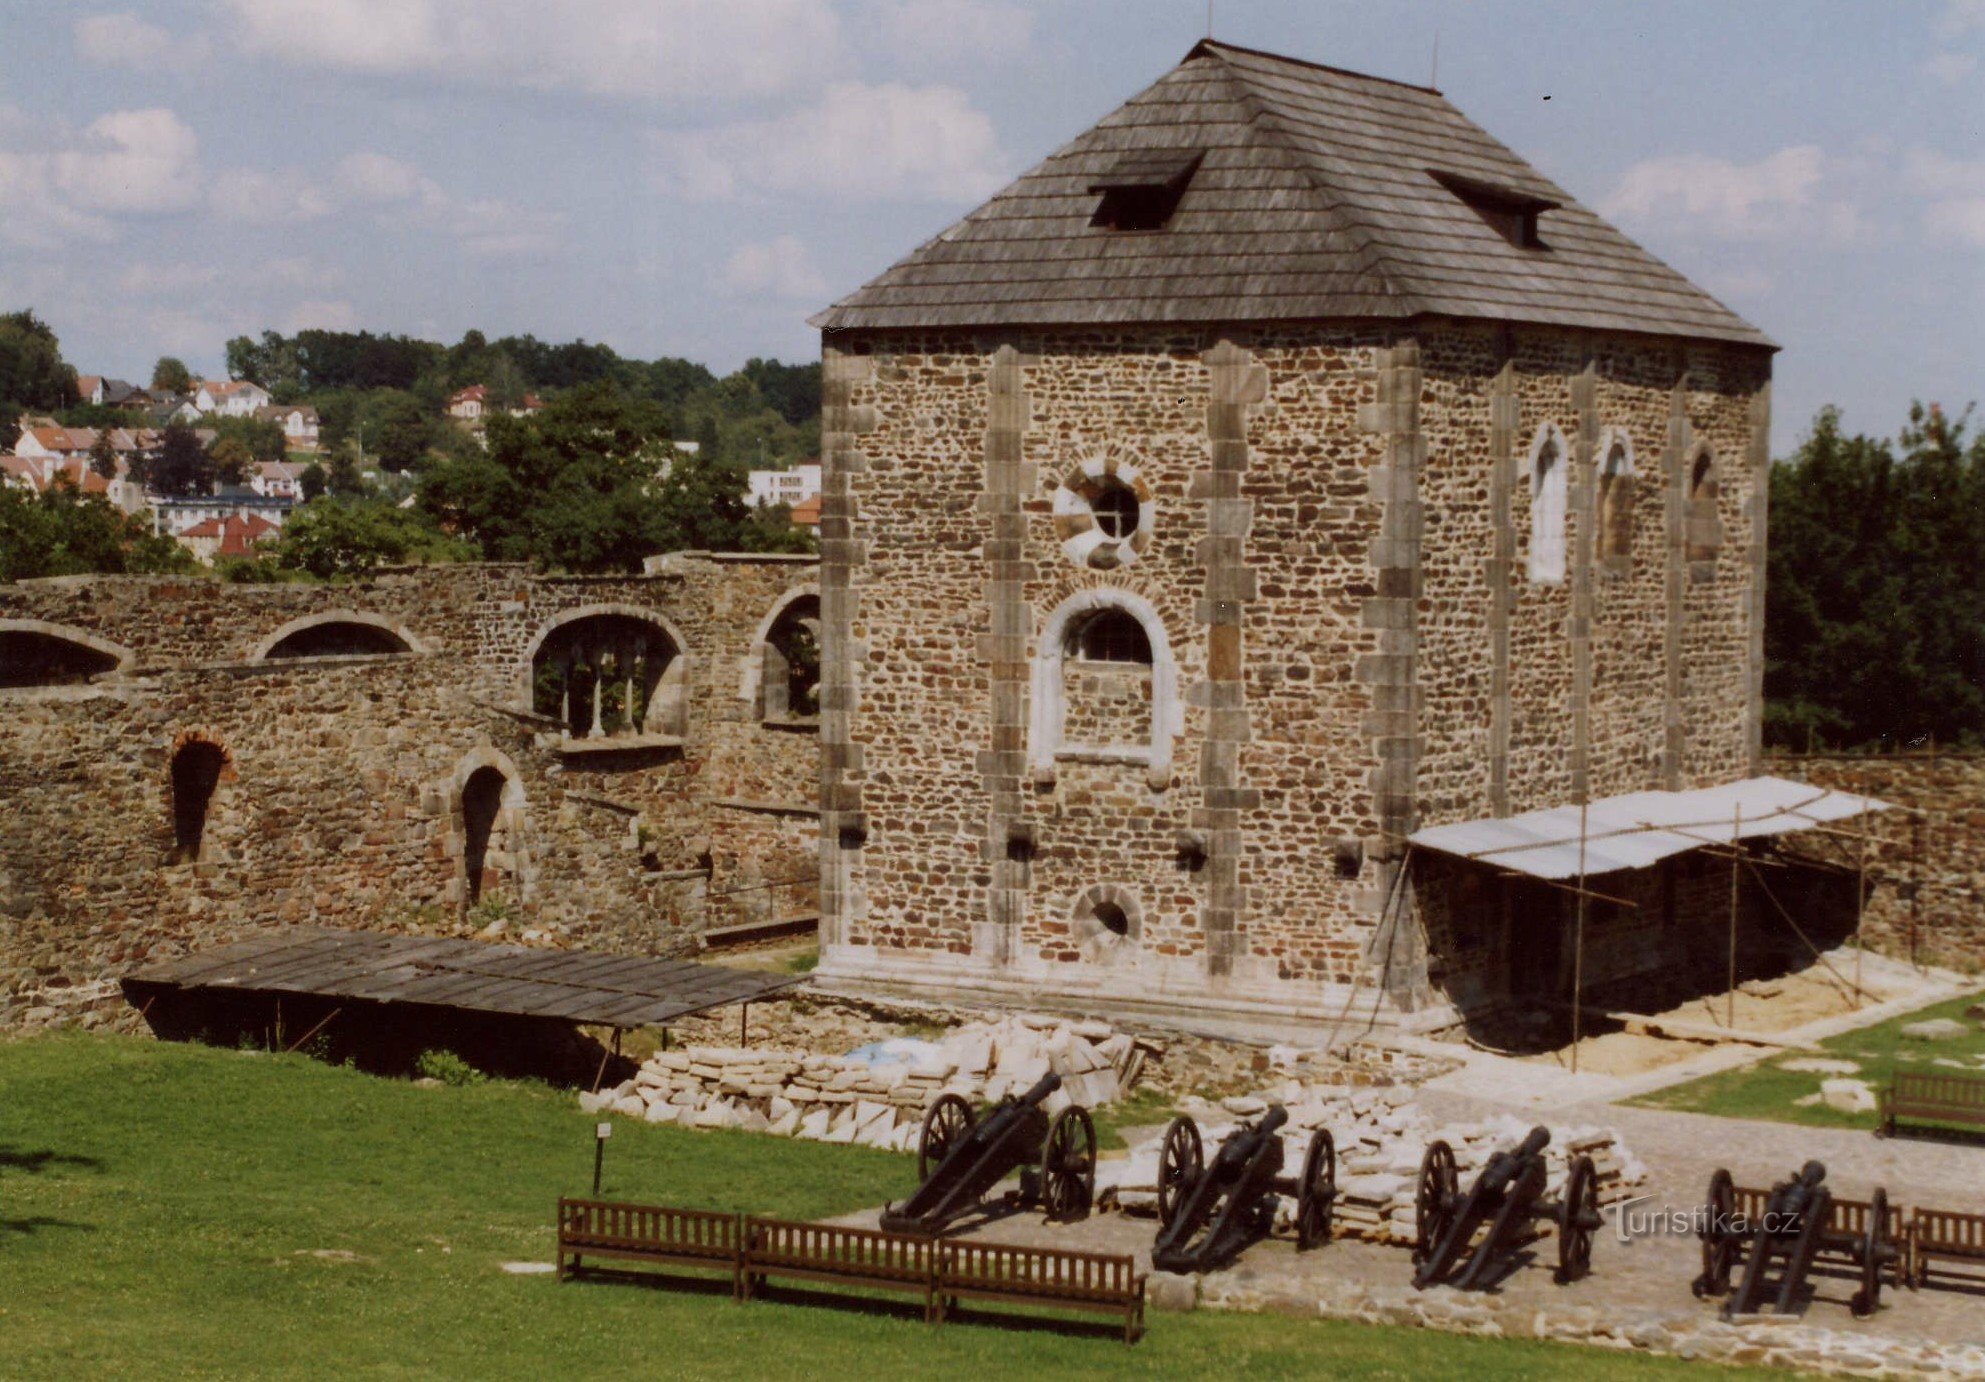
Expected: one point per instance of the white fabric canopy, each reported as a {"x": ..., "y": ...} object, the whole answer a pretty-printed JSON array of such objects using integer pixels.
[{"x": 1640, "y": 829}]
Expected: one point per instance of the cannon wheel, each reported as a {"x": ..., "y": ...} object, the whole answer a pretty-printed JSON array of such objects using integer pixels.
[
  {"x": 1876, "y": 1252},
  {"x": 1434, "y": 1200},
  {"x": 1578, "y": 1216},
  {"x": 1316, "y": 1193},
  {"x": 1180, "y": 1162},
  {"x": 1068, "y": 1165},
  {"x": 1719, "y": 1237},
  {"x": 949, "y": 1119}
]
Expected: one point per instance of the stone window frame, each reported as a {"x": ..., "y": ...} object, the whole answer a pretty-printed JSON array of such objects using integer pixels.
[
  {"x": 224, "y": 775},
  {"x": 668, "y": 707},
  {"x": 1097, "y": 942},
  {"x": 1702, "y": 523},
  {"x": 1047, "y": 711},
  {"x": 1613, "y": 502},
  {"x": 1545, "y": 561},
  {"x": 751, "y": 683},
  {"x": 512, "y": 807},
  {"x": 340, "y": 616},
  {"x": 1083, "y": 540},
  {"x": 68, "y": 633}
]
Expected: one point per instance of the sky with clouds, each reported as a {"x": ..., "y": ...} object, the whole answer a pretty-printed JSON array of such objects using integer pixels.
[{"x": 693, "y": 177}]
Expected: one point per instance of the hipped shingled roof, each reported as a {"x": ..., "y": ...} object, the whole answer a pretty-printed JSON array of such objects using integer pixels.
[{"x": 1321, "y": 194}]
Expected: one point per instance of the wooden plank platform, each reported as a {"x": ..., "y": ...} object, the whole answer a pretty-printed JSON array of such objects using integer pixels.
[{"x": 572, "y": 986}]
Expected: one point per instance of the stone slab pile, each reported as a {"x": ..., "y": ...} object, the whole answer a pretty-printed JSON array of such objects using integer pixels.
[
  {"x": 878, "y": 1095},
  {"x": 1380, "y": 1137}
]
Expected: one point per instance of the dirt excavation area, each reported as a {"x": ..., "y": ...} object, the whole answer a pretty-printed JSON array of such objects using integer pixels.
[{"x": 1622, "y": 1042}]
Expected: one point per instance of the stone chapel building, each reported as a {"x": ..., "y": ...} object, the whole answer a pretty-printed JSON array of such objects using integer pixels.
[{"x": 1278, "y": 468}]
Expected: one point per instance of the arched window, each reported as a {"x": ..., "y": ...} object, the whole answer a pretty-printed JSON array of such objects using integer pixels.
[
  {"x": 1547, "y": 507},
  {"x": 1105, "y": 687},
  {"x": 1616, "y": 495},
  {"x": 336, "y": 635},
  {"x": 196, "y": 771},
  {"x": 608, "y": 674},
  {"x": 1110, "y": 635},
  {"x": 35, "y": 655},
  {"x": 482, "y": 807},
  {"x": 1103, "y": 512},
  {"x": 1704, "y": 535},
  {"x": 789, "y": 664}
]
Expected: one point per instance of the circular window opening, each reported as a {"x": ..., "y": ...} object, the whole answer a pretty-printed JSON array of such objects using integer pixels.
[
  {"x": 1112, "y": 918},
  {"x": 1115, "y": 507}
]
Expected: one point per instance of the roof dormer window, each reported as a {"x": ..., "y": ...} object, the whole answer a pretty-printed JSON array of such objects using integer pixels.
[
  {"x": 1140, "y": 191},
  {"x": 1510, "y": 213}
]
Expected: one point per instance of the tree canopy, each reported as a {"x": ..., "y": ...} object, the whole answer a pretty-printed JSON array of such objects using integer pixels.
[
  {"x": 62, "y": 532},
  {"x": 170, "y": 375},
  {"x": 33, "y": 374},
  {"x": 1875, "y": 630}
]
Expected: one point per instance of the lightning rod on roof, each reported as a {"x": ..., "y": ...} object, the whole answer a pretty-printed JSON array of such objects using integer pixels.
[{"x": 1209, "y": 18}]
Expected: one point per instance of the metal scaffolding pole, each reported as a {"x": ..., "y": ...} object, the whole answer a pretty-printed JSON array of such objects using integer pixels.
[
  {"x": 1578, "y": 945},
  {"x": 1736, "y": 877}
]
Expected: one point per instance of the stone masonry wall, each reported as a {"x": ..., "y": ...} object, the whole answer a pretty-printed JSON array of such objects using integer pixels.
[
  {"x": 1926, "y": 863},
  {"x": 1337, "y": 573},
  {"x": 341, "y": 796}
]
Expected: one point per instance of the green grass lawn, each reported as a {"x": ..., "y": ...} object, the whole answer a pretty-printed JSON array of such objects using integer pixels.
[
  {"x": 176, "y": 1210},
  {"x": 1768, "y": 1090}
]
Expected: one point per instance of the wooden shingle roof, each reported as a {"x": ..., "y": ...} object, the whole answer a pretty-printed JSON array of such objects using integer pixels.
[{"x": 1318, "y": 194}]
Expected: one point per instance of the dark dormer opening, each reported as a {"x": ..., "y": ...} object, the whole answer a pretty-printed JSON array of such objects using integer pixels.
[
  {"x": 1140, "y": 191},
  {"x": 1510, "y": 213}
]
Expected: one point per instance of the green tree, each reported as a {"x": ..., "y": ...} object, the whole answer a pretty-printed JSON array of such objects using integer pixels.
[
  {"x": 65, "y": 533},
  {"x": 342, "y": 475},
  {"x": 33, "y": 375},
  {"x": 171, "y": 375},
  {"x": 231, "y": 460},
  {"x": 331, "y": 538},
  {"x": 313, "y": 481},
  {"x": 398, "y": 431},
  {"x": 178, "y": 466},
  {"x": 103, "y": 456}
]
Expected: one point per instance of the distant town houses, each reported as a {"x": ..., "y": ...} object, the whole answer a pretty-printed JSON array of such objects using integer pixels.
[
  {"x": 472, "y": 405},
  {"x": 789, "y": 487},
  {"x": 299, "y": 424},
  {"x": 228, "y": 535},
  {"x": 101, "y": 392},
  {"x": 230, "y": 397},
  {"x": 278, "y": 480}
]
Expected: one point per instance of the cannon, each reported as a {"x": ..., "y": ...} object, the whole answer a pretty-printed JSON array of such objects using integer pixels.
[
  {"x": 1508, "y": 1196},
  {"x": 1208, "y": 1213},
  {"x": 1791, "y": 1226},
  {"x": 960, "y": 1157}
]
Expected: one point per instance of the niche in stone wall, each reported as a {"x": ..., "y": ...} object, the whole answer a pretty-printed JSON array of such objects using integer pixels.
[
  {"x": 1616, "y": 499},
  {"x": 1548, "y": 490},
  {"x": 340, "y": 634},
  {"x": 789, "y": 665},
  {"x": 32, "y": 654},
  {"x": 1107, "y": 923},
  {"x": 1104, "y": 687},
  {"x": 1703, "y": 528},
  {"x": 609, "y": 674},
  {"x": 197, "y": 768},
  {"x": 488, "y": 823}
]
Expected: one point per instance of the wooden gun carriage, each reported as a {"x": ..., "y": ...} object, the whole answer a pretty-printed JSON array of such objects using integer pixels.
[
  {"x": 1508, "y": 1196},
  {"x": 962, "y": 1156},
  {"x": 1209, "y": 1213},
  {"x": 1791, "y": 1226}
]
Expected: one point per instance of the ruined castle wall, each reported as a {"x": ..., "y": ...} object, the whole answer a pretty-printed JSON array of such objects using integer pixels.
[{"x": 341, "y": 797}]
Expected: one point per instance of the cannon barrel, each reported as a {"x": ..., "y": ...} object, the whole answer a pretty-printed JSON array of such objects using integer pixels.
[
  {"x": 1273, "y": 1120},
  {"x": 1047, "y": 1085},
  {"x": 1537, "y": 1141},
  {"x": 1811, "y": 1174}
]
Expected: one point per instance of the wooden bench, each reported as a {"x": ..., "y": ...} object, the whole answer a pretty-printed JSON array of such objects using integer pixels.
[
  {"x": 1016, "y": 1275},
  {"x": 649, "y": 1233},
  {"x": 842, "y": 1256},
  {"x": 1951, "y": 1237},
  {"x": 1934, "y": 1098}
]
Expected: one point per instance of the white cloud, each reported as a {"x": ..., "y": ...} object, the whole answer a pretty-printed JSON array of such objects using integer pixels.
[
  {"x": 679, "y": 52},
  {"x": 321, "y": 314},
  {"x": 910, "y": 143},
  {"x": 406, "y": 197},
  {"x": 1709, "y": 197},
  {"x": 125, "y": 40},
  {"x": 283, "y": 197},
  {"x": 381, "y": 180},
  {"x": 1951, "y": 68},
  {"x": 780, "y": 267},
  {"x": 1953, "y": 194},
  {"x": 1740, "y": 282},
  {"x": 1961, "y": 17},
  {"x": 132, "y": 162},
  {"x": 945, "y": 33}
]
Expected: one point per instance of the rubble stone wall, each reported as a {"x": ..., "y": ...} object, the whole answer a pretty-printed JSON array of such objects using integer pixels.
[
  {"x": 341, "y": 792},
  {"x": 1321, "y": 565},
  {"x": 1925, "y": 864}
]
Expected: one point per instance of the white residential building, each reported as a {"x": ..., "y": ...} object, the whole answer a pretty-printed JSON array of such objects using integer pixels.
[
  {"x": 230, "y": 397},
  {"x": 788, "y": 487}
]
